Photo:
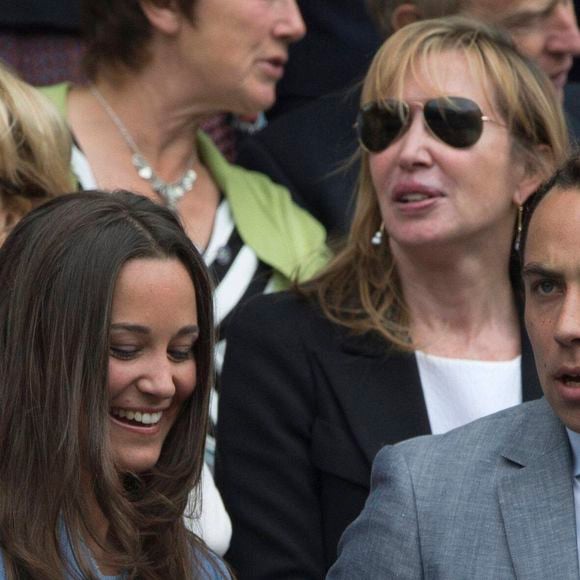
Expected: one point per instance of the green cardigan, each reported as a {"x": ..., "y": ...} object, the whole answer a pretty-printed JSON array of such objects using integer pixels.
[{"x": 283, "y": 235}]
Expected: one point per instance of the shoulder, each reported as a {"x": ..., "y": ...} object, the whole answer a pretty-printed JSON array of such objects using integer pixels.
[
  {"x": 480, "y": 443},
  {"x": 322, "y": 119},
  {"x": 58, "y": 94},
  {"x": 246, "y": 189},
  {"x": 283, "y": 235},
  {"x": 214, "y": 568},
  {"x": 283, "y": 314}
]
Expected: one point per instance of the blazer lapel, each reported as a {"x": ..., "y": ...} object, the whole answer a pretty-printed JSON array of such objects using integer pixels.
[
  {"x": 537, "y": 500},
  {"x": 380, "y": 393}
]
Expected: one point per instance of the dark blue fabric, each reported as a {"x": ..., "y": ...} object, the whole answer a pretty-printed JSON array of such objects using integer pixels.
[
  {"x": 336, "y": 51},
  {"x": 33, "y": 15},
  {"x": 572, "y": 109}
]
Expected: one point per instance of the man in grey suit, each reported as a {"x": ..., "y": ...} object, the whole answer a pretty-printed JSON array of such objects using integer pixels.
[{"x": 498, "y": 498}]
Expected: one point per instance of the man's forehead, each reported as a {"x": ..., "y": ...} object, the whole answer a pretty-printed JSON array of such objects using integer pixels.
[{"x": 512, "y": 12}]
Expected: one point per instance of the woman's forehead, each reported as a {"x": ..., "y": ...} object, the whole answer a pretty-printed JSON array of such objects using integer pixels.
[{"x": 447, "y": 73}]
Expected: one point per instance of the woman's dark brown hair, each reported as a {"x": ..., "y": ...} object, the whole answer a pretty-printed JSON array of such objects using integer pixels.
[
  {"x": 58, "y": 269},
  {"x": 117, "y": 32}
]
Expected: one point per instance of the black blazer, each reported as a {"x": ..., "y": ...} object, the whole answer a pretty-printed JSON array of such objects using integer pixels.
[
  {"x": 304, "y": 408},
  {"x": 303, "y": 149}
]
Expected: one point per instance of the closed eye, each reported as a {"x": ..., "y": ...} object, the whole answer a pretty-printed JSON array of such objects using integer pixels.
[
  {"x": 123, "y": 352},
  {"x": 180, "y": 354}
]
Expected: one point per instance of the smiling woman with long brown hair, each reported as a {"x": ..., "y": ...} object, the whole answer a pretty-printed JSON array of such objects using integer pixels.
[{"x": 106, "y": 341}]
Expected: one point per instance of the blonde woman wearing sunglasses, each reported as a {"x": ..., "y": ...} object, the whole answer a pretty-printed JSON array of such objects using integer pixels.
[{"x": 414, "y": 327}]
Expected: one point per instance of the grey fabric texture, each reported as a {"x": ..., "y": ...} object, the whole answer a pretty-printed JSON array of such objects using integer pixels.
[{"x": 490, "y": 500}]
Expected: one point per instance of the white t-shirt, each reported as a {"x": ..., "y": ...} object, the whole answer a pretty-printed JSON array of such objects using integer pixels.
[{"x": 458, "y": 391}]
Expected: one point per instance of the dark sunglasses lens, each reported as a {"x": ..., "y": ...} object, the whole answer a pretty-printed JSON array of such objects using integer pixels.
[
  {"x": 379, "y": 124},
  {"x": 455, "y": 120}
]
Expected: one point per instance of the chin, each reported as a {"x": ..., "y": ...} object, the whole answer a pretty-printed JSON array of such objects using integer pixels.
[
  {"x": 258, "y": 101},
  {"x": 139, "y": 464}
]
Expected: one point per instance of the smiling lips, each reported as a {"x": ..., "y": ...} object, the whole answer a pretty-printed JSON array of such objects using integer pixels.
[{"x": 137, "y": 417}]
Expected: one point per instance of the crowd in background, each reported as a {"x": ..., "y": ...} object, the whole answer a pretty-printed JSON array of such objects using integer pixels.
[{"x": 299, "y": 241}]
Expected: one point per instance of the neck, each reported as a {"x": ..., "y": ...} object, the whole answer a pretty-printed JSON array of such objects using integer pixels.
[
  {"x": 160, "y": 124},
  {"x": 459, "y": 300}
]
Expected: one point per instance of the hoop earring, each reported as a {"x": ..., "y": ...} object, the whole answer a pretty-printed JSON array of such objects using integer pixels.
[
  {"x": 519, "y": 225},
  {"x": 377, "y": 238}
]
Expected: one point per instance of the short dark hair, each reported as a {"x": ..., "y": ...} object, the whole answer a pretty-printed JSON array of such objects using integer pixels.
[
  {"x": 58, "y": 268},
  {"x": 566, "y": 177},
  {"x": 381, "y": 11},
  {"x": 117, "y": 32}
]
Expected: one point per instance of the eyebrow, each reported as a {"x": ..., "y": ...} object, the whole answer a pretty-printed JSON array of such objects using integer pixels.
[
  {"x": 192, "y": 329},
  {"x": 535, "y": 269}
]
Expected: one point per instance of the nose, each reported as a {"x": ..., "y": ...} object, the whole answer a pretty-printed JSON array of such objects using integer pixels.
[
  {"x": 290, "y": 26},
  {"x": 414, "y": 143},
  {"x": 564, "y": 35},
  {"x": 567, "y": 331},
  {"x": 158, "y": 380}
]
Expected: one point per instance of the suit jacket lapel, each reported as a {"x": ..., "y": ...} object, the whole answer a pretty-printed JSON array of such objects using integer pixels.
[
  {"x": 380, "y": 393},
  {"x": 536, "y": 499}
]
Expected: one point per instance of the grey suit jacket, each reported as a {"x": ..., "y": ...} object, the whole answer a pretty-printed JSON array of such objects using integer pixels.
[{"x": 490, "y": 500}]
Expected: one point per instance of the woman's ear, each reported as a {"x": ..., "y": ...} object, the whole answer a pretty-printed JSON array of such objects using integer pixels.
[
  {"x": 404, "y": 14},
  {"x": 534, "y": 171},
  {"x": 166, "y": 19}
]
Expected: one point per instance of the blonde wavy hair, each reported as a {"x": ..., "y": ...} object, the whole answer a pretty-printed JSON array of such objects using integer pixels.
[
  {"x": 35, "y": 148},
  {"x": 360, "y": 288}
]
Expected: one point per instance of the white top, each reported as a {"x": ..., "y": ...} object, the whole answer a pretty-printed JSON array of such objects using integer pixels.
[
  {"x": 211, "y": 522},
  {"x": 458, "y": 391}
]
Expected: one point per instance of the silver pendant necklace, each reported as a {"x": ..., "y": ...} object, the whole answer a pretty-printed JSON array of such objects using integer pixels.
[{"x": 170, "y": 193}]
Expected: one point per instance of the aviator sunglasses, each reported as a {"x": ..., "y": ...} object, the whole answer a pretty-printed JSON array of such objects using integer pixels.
[{"x": 456, "y": 121}]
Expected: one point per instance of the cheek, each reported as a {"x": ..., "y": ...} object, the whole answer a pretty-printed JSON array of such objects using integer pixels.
[
  {"x": 186, "y": 379},
  {"x": 119, "y": 377},
  {"x": 380, "y": 167},
  {"x": 538, "y": 328}
]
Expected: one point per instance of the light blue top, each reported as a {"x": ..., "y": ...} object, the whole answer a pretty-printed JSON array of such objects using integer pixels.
[{"x": 214, "y": 567}]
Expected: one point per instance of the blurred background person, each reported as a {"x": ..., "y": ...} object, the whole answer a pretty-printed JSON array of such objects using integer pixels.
[
  {"x": 156, "y": 71},
  {"x": 336, "y": 51},
  {"x": 105, "y": 375},
  {"x": 34, "y": 150},
  {"x": 414, "y": 327}
]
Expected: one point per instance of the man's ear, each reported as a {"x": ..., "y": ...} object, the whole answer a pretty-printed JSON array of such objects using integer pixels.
[
  {"x": 405, "y": 14},
  {"x": 166, "y": 19},
  {"x": 534, "y": 172}
]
